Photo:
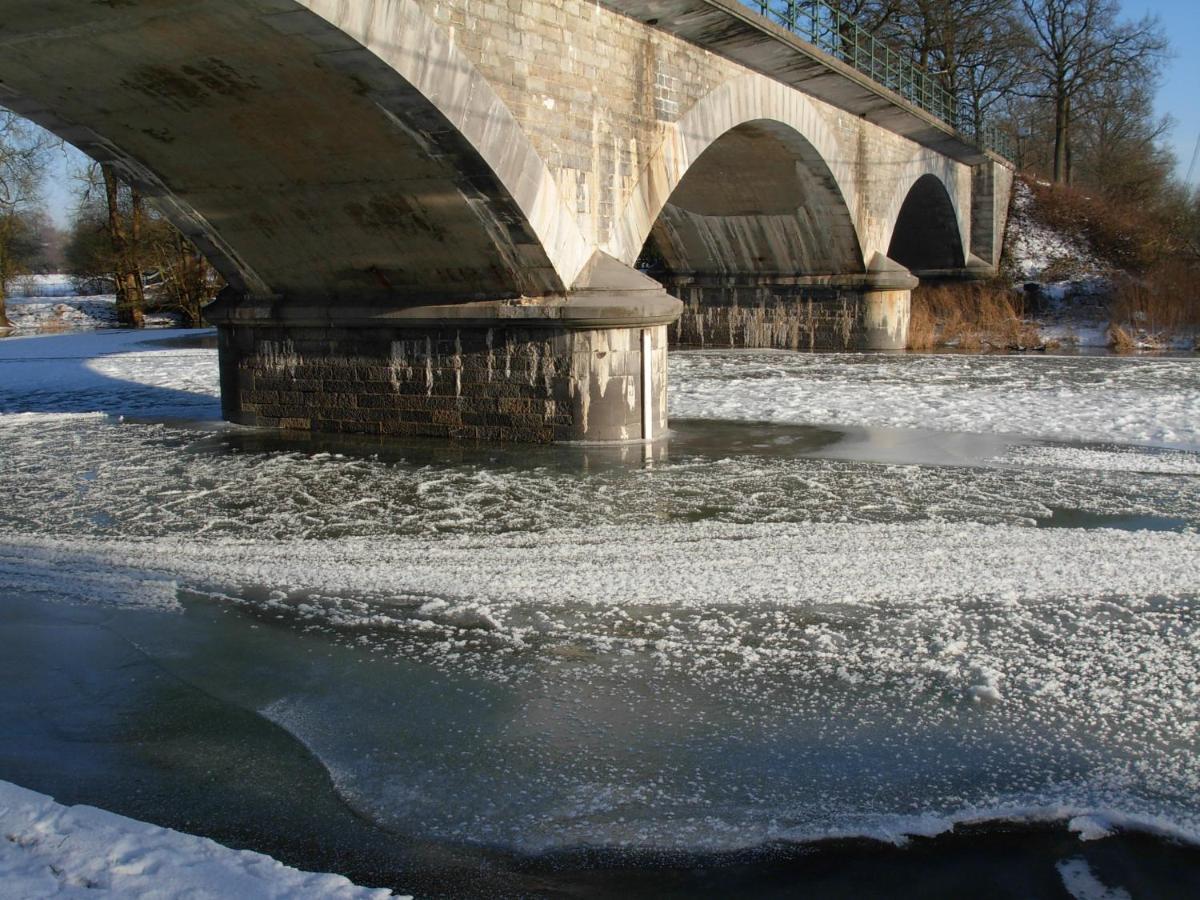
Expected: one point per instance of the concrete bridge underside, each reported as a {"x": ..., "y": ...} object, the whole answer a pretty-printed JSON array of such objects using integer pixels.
[{"x": 431, "y": 214}]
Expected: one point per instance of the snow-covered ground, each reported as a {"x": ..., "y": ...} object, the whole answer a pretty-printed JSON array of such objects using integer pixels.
[
  {"x": 51, "y": 850},
  {"x": 1074, "y": 286},
  {"x": 41, "y": 304},
  {"x": 727, "y": 647},
  {"x": 1037, "y": 250}
]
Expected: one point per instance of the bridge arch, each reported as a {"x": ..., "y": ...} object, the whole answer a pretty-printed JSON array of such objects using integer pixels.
[
  {"x": 758, "y": 201},
  {"x": 303, "y": 144},
  {"x": 926, "y": 226},
  {"x": 721, "y": 129}
]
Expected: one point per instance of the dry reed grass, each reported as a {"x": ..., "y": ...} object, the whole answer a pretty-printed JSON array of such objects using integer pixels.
[
  {"x": 1120, "y": 340},
  {"x": 969, "y": 316},
  {"x": 1165, "y": 302}
]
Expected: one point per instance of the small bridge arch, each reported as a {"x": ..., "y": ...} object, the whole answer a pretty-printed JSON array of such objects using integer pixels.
[
  {"x": 752, "y": 108},
  {"x": 927, "y": 234}
]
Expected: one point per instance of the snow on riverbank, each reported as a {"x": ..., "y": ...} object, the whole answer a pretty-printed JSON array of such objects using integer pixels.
[
  {"x": 51, "y": 304},
  {"x": 120, "y": 372},
  {"x": 51, "y": 850},
  {"x": 1037, "y": 249}
]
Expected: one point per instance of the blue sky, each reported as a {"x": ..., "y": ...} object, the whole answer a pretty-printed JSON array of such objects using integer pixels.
[{"x": 1179, "y": 96}]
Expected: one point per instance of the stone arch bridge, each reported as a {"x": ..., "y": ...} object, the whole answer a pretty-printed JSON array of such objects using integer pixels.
[{"x": 430, "y": 213}]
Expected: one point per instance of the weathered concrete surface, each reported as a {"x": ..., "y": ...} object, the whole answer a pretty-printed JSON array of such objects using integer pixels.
[
  {"x": 731, "y": 29},
  {"x": 418, "y": 165}
]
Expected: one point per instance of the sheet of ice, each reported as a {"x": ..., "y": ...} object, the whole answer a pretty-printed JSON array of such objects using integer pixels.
[
  {"x": 118, "y": 372},
  {"x": 780, "y": 563},
  {"x": 1057, "y": 397},
  {"x": 146, "y": 480},
  {"x": 1003, "y": 669},
  {"x": 1125, "y": 459},
  {"x": 714, "y": 651},
  {"x": 51, "y": 850}
]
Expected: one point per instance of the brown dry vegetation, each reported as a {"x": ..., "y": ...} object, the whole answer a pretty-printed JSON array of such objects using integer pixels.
[
  {"x": 1164, "y": 301},
  {"x": 969, "y": 316},
  {"x": 1120, "y": 340},
  {"x": 1124, "y": 235}
]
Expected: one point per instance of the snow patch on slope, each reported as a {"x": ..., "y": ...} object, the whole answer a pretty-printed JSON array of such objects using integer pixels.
[{"x": 1034, "y": 247}]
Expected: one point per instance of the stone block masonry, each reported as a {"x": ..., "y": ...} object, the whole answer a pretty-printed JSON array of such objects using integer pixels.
[
  {"x": 775, "y": 316},
  {"x": 502, "y": 383}
]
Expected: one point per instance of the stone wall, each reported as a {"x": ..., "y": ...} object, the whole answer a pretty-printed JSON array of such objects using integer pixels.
[
  {"x": 991, "y": 191},
  {"x": 498, "y": 384},
  {"x": 775, "y": 316}
]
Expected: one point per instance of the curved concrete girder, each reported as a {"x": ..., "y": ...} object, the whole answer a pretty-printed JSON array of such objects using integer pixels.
[
  {"x": 760, "y": 200},
  {"x": 748, "y": 99},
  {"x": 305, "y": 163},
  {"x": 952, "y": 203},
  {"x": 400, "y": 34}
]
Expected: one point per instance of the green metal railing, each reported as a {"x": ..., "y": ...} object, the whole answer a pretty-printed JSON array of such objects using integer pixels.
[{"x": 844, "y": 39}]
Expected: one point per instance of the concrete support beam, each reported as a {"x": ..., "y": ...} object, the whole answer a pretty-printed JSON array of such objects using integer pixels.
[{"x": 887, "y": 304}]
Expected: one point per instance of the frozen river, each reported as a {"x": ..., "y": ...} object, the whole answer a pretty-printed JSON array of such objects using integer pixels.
[{"x": 851, "y": 597}]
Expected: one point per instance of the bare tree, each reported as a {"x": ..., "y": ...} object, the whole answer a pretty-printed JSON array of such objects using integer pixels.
[
  {"x": 186, "y": 280},
  {"x": 117, "y": 239},
  {"x": 1080, "y": 42},
  {"x": 125, "y": 232},
  {"x": 22, "y": 164},
  {"x": 1120, "y": 145}
]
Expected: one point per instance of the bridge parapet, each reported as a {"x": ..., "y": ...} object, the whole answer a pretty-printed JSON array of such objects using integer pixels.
[{"x": 844, "y": 39}]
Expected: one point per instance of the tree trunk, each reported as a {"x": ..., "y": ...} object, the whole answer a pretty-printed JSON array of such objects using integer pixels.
[
  {"x": 5, "y": 273},
  {"x": 126, "y": 277},
  {"x": 1062, "y": 124},
  {"x": 134, "y": 265}
]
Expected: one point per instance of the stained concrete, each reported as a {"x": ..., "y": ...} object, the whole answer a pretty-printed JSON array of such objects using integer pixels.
[{"x": 418, "y": 167}]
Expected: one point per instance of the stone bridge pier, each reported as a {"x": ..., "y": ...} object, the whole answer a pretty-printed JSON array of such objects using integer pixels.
[{"x": 487, "y": 219}]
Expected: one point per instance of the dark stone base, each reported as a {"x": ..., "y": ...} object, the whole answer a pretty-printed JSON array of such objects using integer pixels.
[
  {"x": 868, "y": 311},
  {"x": 504, "y": 383},
  {"x": 783, "y": 317}
]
